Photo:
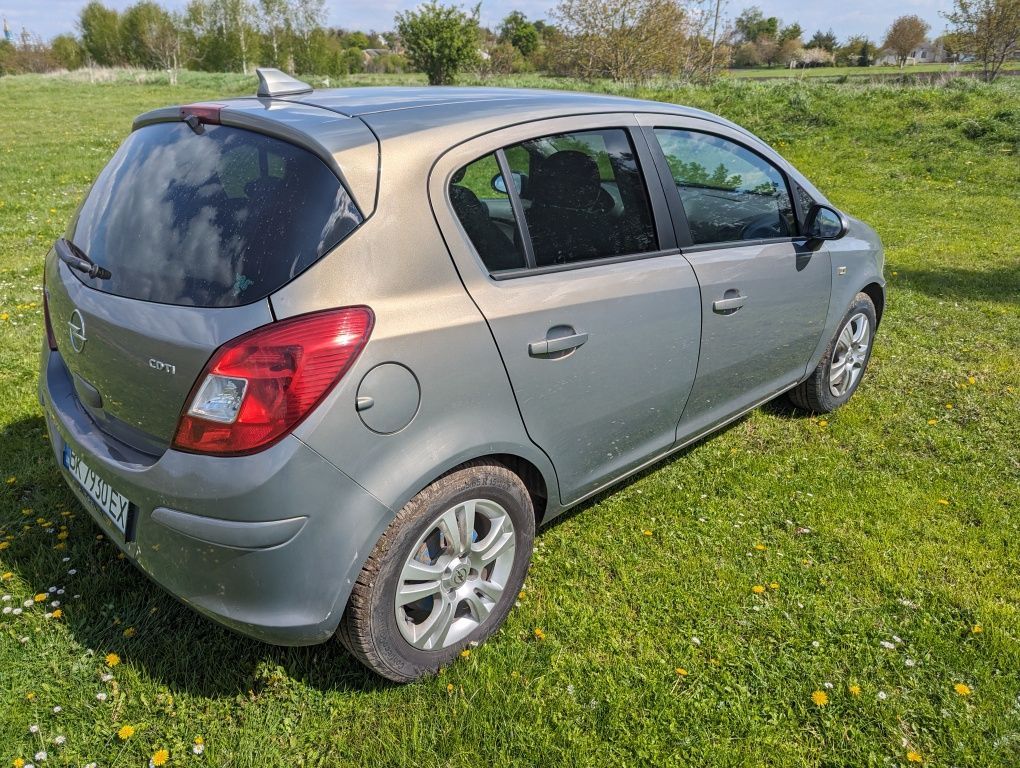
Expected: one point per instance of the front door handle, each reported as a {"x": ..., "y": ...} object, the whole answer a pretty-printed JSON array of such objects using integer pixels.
[
  {"x": 729, "y": 304},
  {"x": 552, "y": 346}
]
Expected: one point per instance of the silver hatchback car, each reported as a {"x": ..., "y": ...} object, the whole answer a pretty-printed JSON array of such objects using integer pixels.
[{"x": 319, "y": 362}]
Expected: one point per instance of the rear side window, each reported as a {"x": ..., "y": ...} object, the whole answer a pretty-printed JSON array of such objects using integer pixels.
[
  {"x": 729, "y": 193},
  {"x": 219, "y": 219},
  {"x": 582, "y": 195}
]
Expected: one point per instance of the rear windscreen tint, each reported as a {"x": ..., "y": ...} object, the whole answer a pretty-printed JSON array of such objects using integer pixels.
[{"x": 216, "y": 219}]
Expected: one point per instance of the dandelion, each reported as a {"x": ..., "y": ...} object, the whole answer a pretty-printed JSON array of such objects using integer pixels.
[
  {"x": 914, "y": 757},
  {"x": 758, "y": 589},
  {"x": 962, "y": 689},
  {"x": 977, "y": 629},
  {"x": 130, "y": 632},
  {"x": 949, "y": 406},
  {"x": 4, "y": 544},
  {"x": 774, "y": 585},
  {"x": 112, "y": 659},
  {"x": 681, "y": 672},
  {"x": 855, "y": 690},
  {"x": 646, "y": 532},
  {"x": 820, "y": 698},
  {"x": 760, "y": 547},
  {"x": 6, "y": 576},
  {"x": 18, "y": 762},
  {"x": 944, "y": 502},
  {"x": 539, "y": 634},
  {"x": 125, "y": 732},
  {"x": 465, "y": 654},
  {"x": 160, "y": 757},
  {"x": 57, "y": 614},
  {"x": 823, "y": 423},
  {"x": 971, "y": 380},
  {"x": 449, "y": 687},
  {"x": 932, "y": 422},
  {"x": 40, "y": 597}
]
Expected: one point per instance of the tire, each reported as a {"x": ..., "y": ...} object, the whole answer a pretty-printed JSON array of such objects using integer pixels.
[
  {"x": 827, "y": 388},
  {"x": 419, "y": 555}
]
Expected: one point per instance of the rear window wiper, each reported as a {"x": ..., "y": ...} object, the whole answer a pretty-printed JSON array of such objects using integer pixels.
[{"x": 76, "y": 258}]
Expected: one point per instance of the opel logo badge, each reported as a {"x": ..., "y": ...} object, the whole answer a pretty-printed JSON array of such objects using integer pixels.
[{"x": 76, "y": 328}]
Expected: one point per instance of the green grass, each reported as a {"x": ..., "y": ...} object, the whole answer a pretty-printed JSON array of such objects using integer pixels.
[
  {"x": 897, "y": 517},
  {"x": 864, "y": 72}
]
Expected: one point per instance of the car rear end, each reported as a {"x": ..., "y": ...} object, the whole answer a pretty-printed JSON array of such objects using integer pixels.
[{"x": 170, "y": 389}]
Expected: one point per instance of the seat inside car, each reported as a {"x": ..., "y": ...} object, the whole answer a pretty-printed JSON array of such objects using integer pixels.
[
  {"x": 490, "y": 241},
  {"x": 569, "y": 216}
]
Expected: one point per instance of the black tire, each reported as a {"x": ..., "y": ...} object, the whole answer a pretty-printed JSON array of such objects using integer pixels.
[
  {"x": 369, "y": 628},
  {"x": 814, "y": 394}
]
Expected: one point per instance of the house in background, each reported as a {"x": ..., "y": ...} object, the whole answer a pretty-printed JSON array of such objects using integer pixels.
[{"x": 928, "y": 52}]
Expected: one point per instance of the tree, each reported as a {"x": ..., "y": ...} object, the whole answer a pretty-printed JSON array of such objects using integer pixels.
[
  {"x": 905, "y": 34},
  {"x": 139, "y": 25},
  {"x": 988, "y": 30},
  {"x": 826, "y": 40},
  {"x": 791, "y": 32},
  {"x": 100, "y": 34},
  {"x": 440, "y": 39},
  {"x": 752, "y": 24},
  {"x": 222, "y": 34},
  {"x": 67, "y": 51},
  {"x": 520, "y": 33}
]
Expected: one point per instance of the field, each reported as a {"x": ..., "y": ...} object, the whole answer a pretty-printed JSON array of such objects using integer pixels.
[
  {"x": 886, "y": 537},
  {"x": 867, "y": 72}
]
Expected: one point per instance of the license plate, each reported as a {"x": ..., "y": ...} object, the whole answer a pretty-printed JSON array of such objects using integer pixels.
[{"x": 114, "y": 505}]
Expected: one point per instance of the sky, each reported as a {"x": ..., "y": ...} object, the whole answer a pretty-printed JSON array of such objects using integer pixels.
[{"x": 48, "y": 18}]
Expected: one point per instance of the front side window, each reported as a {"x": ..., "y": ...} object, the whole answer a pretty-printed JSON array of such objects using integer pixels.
[
  {"x": 728, "y": 192},
  {"x": 582, "y": 195}
]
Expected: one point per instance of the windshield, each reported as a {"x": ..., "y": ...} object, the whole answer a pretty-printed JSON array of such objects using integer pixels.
[{"x": 216, "y": 219}]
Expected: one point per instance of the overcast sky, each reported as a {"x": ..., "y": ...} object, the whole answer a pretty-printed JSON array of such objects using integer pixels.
[{"x": 869, "y": 17}]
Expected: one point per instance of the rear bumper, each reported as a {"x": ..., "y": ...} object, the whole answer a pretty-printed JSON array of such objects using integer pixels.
[{"x": 268, "y": 545}]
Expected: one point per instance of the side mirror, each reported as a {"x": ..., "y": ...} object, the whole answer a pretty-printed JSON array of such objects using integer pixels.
[
  {"x": 825, "y": 223},
  {"x": 499, "y": 184}
]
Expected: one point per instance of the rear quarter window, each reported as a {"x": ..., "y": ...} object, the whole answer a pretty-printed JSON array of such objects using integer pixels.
[{"x": 217, "y": 219}]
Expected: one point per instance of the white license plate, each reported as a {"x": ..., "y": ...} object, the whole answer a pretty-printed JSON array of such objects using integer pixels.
[{"x": 114, "y": 505}]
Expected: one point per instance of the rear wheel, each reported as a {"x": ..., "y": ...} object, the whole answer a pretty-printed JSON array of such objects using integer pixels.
[
  {"x": 444, "y": 574},
  {"x": 842, "y": 366}
]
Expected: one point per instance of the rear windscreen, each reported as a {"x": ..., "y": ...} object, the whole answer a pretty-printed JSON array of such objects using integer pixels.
[{"x": 216, "y": 219}]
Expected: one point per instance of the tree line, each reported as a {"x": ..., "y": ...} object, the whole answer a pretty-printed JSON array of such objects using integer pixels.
[{"x": 685, "y": 40}]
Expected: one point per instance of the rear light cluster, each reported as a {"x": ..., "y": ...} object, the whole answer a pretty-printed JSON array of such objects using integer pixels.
[{"x": 259, "y": 386}]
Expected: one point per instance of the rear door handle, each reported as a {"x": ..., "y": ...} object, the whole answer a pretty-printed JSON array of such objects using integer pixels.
[
  {"x": 729, "y": 304},
  {"x": 552, "y": 346}
]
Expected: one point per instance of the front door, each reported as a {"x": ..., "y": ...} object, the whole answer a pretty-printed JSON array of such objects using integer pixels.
[
  {"x": 595, "y": 312},
  {"x": 764, "y": 292}
]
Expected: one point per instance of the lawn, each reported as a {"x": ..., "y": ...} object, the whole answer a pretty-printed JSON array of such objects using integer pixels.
[
  {"x": 886, "y": 537},
  {"x": 866, "y": 72}
]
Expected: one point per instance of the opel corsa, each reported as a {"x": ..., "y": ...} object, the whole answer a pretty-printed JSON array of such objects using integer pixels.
[{"x": 319, "y": 362}]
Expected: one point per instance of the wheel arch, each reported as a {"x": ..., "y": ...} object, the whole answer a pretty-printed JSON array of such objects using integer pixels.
[{"x": 876, "y": 293}]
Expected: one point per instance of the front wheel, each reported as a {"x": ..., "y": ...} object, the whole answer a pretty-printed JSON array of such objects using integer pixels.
[
  {"x": 444, "y": 574},
  {"x": 842, "y": 366}
]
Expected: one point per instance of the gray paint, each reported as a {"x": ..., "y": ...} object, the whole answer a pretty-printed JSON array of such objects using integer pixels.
[{"x": 659, "y": 367}]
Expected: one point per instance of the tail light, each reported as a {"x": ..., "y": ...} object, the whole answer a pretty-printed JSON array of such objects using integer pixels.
[
  {"x": 50, "y": 338},
  {"x": 259, "y": 386}
]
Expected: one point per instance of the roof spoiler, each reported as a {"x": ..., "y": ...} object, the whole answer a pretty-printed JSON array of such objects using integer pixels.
[{"x": 273, "y": 82}]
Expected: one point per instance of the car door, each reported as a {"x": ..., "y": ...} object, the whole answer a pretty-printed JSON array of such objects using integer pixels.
[
  {"x": 764, "y": 289},
  {"x": 595, "y": 312}
]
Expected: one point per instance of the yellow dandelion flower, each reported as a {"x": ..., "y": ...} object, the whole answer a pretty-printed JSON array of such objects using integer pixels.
[
  {"x": 681, "y": 672},
  {"x": 944, "y": 502},
  {"x": 125, "y": 732},
  {"x": 914, "y": 757},
  {"x": 465, "y": 654},
  {"x": 820, "y": 698},
  {"x": 933, "y": 421},
  {"x": 40, "y": 597},
  {"x": 63, "y": 535},
  {"x": 539, "y": 634},
  {"x": 30, "y": 695},
  {"x": 823, "y": 423},
  {"x": 521, "y": 595},
  {"x": 160, "y": 757},
  {"x": 949, "y": 406},
  {"x": 449, "y": 687},
  {"x": 130, "y": 632},
  {"x": 971, "y": 380},
  {"x": 57, "y": 613},
  {"x": 647, "y": 533},
  {"x": 855, "y": 690},
  {"x": 112, "y": 659},
  {"x": 760, "y": 547},
  {"x": 18, "y": 763},
  {"x": 962, "y": 688},
  {"x": 774, "y": 585},
  {"x": 7, "y": 576},
  {"x": 199, "y": 740},
  {"x": 12, "y": 480},
  {"x": 977, "y": 629},
  {"x": 4, "y": 545},
  {"x": 758, "y": 589}
]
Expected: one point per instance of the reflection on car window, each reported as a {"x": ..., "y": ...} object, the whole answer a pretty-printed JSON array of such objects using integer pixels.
[
  {"x": 582, "y": 194},
  {"x": 728, "y": 192}
]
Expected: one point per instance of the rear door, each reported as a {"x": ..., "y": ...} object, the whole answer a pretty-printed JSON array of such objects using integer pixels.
[
  {"x": 595, "y": 312},
  {"x": 764, "y": 292},
  {"x": 197, "y": 228}
]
